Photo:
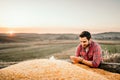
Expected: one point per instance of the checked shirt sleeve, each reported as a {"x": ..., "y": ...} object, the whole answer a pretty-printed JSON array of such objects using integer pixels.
[
  {"x": 97, "y": 56},
  {"x": 78, "y": 49}
]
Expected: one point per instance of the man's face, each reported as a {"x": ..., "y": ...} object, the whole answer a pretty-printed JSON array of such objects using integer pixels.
[{"x": 84, "y": 42}]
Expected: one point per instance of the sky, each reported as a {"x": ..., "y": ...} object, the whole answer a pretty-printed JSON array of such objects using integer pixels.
[{"x": 59, "y": 16}]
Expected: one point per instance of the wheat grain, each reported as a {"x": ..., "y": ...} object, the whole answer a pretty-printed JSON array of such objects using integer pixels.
[{"x": 45, "y": 69}]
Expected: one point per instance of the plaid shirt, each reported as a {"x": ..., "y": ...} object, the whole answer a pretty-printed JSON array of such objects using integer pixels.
[{"x": 93, "y": 54}]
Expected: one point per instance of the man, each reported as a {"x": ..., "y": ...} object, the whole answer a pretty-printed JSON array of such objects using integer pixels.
[{"x": 88, "y": 52}]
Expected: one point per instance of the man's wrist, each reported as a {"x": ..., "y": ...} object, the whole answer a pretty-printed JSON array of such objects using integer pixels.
[{"x": 82, "y": 60}]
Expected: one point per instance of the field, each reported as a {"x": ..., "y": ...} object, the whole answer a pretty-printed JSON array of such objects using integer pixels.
[
  {"x": 32, "y": 50},
  {"x": 14, "y": 52},
  {"x": 21, "y": 48},
  {"x": 26, "y": 47}
]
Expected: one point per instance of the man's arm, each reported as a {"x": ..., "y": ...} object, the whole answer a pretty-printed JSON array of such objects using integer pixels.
[
  {"x": 78, "y": 49},
  {"x": 79, "y": 59},
  {"x": 89, "y": 63}
]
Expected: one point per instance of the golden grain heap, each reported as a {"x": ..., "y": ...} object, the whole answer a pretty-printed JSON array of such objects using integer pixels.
[{"x": 45, "y": 69}]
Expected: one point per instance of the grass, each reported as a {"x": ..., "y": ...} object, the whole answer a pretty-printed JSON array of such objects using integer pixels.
[
  {"x": 24, "y": 51},
  {"x": 12, "y": 53},
  {"x": 111, "y": 48}
]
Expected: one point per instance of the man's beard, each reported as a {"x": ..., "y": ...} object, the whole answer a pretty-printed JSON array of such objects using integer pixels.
[{"x": 86, "y": 46}]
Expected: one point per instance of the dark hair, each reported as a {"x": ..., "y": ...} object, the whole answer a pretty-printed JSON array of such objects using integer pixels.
[{"x": 85, "y": 34}]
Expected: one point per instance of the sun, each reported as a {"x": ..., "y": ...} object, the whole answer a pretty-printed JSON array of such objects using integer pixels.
[{"x": 11, "y": 33}]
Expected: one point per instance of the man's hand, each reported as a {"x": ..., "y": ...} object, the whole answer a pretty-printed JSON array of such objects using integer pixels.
[{"x": 75, "y": 59}]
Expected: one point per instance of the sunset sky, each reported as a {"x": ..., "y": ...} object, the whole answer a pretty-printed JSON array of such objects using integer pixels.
[{"x": 59, "y": 16}]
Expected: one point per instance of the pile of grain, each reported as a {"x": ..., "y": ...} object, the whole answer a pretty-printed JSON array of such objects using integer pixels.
[
  {"x": 106, "y": 74},
  {"x": 44, "y": 69}
]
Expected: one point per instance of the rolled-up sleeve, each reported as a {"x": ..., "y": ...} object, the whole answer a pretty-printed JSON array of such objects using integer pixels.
[{"x": 97, "y": 58}]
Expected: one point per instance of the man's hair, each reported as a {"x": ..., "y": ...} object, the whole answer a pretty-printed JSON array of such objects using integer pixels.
[{"x": 85, "y": 34}]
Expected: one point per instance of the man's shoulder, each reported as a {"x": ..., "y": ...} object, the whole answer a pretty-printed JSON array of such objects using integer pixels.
[
  {"x": 79, "y": 46},
  {"x": 95, "y": 43}
]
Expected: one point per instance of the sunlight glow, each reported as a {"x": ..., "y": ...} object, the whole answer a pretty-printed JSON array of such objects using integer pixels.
[{"x": 11, "y": 33}]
